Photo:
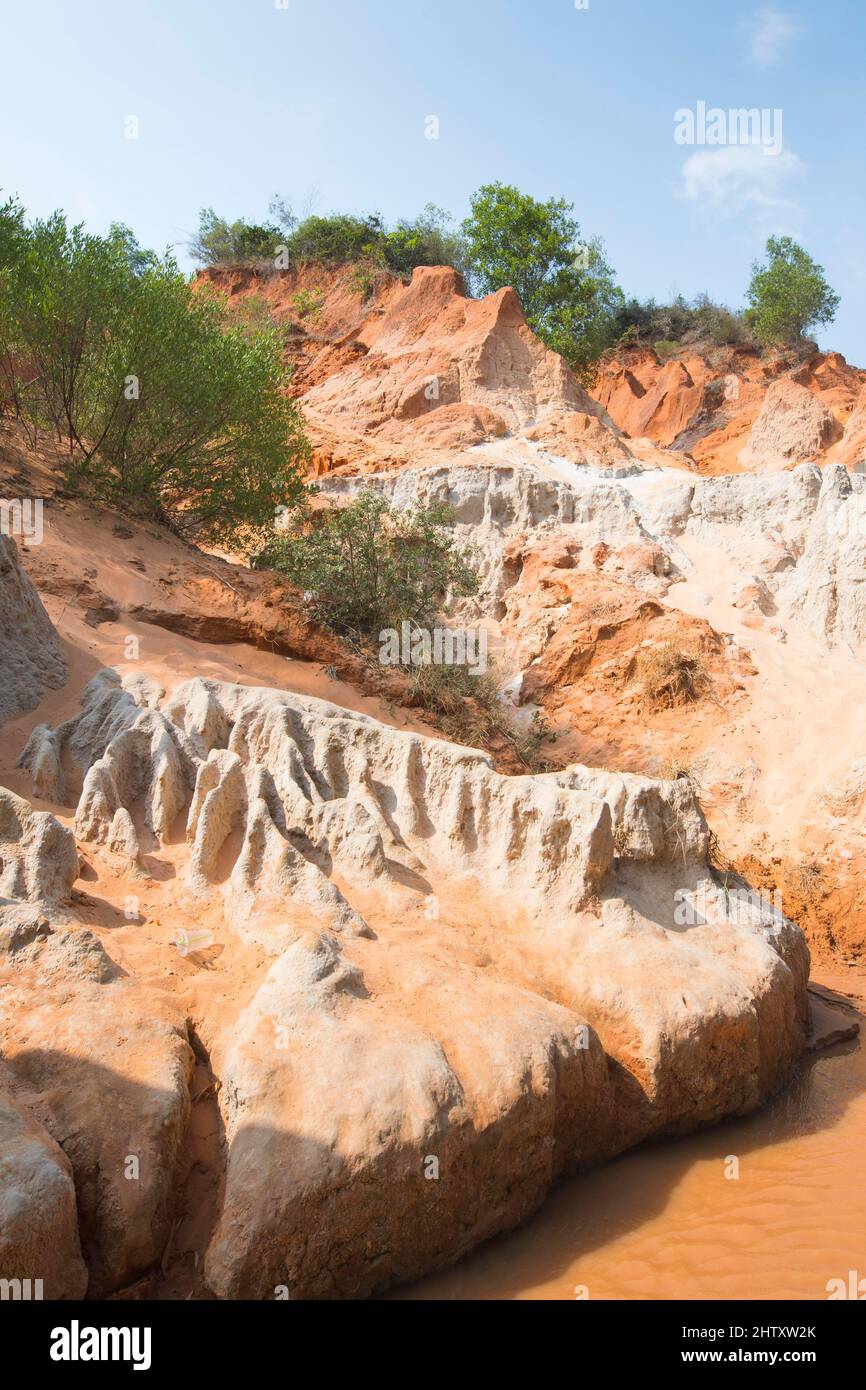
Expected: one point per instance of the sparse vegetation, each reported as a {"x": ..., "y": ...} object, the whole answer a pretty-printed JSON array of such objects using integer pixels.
[
  {"x": 335, "y": 239},
  {"x": 565, "y": 283},
  {"x": 470, "y": 710},
  {"x": 366, "y": 567},
  {"x": 602, "y": 609},
  {"x": 808, "y": 878},
  {"x": 700, "y": 324},
  {"x": 363, "y": 278},
  {"x": 671, "y": 677},
  {"x": 675, "y": 771},
  {"x": 307, "y": 304}
]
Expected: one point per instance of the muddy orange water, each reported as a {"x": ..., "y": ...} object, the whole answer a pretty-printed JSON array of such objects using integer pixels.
[{"x": 663, "y": 1221}]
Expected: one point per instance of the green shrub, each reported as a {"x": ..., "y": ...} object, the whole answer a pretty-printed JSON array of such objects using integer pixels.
[
  {"x": 12, "y": 233},
  {"x": 367, "y": 567},
  {"x": 335, "y": 240},
  {"x": 699, "y": 323},
  {"x": 307, "y": 304},
  {"x": 425, "y": 241},
  {"x": 168, "y": 408},
  {"x": 363, "y": 278},
  {"x": 251, "y": 314},
  {"x": 219, "y": 242},
  {"x": 666, "y": 349}
]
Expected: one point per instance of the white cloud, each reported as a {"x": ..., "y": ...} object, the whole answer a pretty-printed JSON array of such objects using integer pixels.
[
  {"x": 769, "y": 34},
  {"x": 737, "y": 177}
]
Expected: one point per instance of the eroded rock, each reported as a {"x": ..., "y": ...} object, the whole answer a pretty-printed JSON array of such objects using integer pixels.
[
  {"x": 479, "y": 975},
  {"x": 33, "y": 660}
]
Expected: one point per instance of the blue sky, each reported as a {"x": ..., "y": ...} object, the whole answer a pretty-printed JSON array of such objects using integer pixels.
[{"x": 325, "y": 101}]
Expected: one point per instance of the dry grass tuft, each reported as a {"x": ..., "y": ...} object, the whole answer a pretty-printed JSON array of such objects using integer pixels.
[{"x": 671, "y": 677}]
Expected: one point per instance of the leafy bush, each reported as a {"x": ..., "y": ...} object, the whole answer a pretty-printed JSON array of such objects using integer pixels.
[
  {"x": 335, "y": 240},
  {"x": 788, "y": 295},
  {"x": 167, "y": 407},
  {"x": 308, "y": 304},
  {"x": 12, "y": 233},
  {"x": 12, "y": 243},
  {"x": 426, "y": 241},
  {"x": 219, "y": 242},
  {"x": 700, "y": 323},
  {"x": 251, "y": 314},
  {"x": 666, "y": 349},
  {"x": 364, "y": 276},
  {"x": 367, "y": 567},
  {"x": 718, "y": 325}
]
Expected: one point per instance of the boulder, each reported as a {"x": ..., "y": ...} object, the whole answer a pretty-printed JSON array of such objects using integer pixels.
[
  {"x": 38, "y": 1217},
  {"x": 38, "y": 858},
  {"x": 104, "y": 1070}
]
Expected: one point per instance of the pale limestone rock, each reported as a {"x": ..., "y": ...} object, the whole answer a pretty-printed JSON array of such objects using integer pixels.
[
  {"x": 597, "y": 1021},
  {"x": 353, "y": 1200},
  {"x": 122, "y": 837},
  {"x": 38, "y": 1217},
  {"x": 41, "y": 758},
  {"x": 105, "y": 1072},
  {"x": 38, "y": 858},
  {"x": 32, "y": 655}
]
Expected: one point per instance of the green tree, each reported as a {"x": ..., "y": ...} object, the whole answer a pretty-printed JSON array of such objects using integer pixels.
[
  {"x": 12, "y": 243},
  {"x": 11, "y": 232},
  {"x": 137, "y": 258},
  {"x": 68, "y": 299},
  {"x": 336, "y": 239},
  {"x": 168, "y": 407},
  {"x": 788, "y": 295},
  {"x": 368, "y": 567},
  {"x": 566, "y": 287}
]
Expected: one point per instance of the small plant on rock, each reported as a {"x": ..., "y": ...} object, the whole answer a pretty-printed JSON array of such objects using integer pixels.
[{"x": 672, "y": 677}]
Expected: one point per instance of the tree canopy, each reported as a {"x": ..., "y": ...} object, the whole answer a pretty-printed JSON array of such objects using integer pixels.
[{"x": 788, "y": 294}]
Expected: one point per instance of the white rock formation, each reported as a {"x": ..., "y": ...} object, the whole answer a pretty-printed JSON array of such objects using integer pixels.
[
  {"x": 38, "y": 858},
  {"x": 477, "y": 983},
  {"x": 802, "y": 532},
  {"x": 93, "y": 1061},
  {"x": 38, "y": 1217},
  {"x": 33, "y": 660}
]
